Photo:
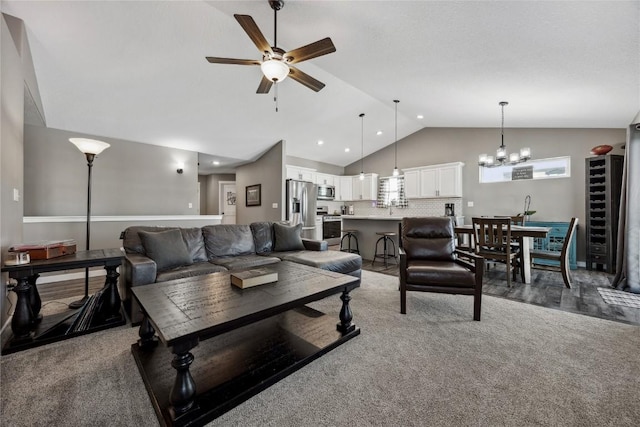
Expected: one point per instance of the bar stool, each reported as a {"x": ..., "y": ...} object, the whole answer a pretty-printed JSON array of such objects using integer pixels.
[
  {"x": 349, "y": 234},
  {"x": 385, "y": 255}
]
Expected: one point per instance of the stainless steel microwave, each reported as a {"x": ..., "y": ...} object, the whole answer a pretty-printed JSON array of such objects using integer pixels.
[{"x": 326, "y": 192}]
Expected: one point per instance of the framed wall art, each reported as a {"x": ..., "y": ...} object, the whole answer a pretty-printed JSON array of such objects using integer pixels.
[{"x": 253, "y": 196}]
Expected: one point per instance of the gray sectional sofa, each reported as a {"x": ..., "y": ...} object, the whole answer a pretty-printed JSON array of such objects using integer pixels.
[{"x": 159, "y": 254}]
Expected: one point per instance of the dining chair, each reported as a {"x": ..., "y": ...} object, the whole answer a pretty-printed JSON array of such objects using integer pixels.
[
  {"x": 562, "y": 256},
  {"x": 493, "y": 241},
  {"x": 516, "y": 245}
]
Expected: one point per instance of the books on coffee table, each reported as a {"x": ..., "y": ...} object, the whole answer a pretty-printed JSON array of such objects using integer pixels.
[{"x": 254, "y": 277}]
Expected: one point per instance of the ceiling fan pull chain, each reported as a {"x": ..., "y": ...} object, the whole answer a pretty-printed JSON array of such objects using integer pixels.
[{"x": 275, "y": 96}]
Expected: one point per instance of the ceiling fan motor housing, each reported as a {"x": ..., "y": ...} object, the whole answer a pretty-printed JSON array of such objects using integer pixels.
[{"x": 276, "y": 4}]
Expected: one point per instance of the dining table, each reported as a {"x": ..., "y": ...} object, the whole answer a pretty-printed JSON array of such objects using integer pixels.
[{"x": 525, "y": 235}]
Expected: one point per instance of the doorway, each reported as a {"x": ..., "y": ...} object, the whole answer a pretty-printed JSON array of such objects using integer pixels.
[{"x": 227, "y": 201}]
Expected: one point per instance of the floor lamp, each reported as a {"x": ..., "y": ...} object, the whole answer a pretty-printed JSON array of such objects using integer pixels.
[{"x": 91, "y": 148}]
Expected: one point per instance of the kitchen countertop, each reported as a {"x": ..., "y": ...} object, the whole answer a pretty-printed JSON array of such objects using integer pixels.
[{"x": 374, "y": 217}]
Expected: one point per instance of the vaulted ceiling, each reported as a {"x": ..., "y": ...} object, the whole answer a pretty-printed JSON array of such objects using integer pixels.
[{"x": 136, "y": 70}]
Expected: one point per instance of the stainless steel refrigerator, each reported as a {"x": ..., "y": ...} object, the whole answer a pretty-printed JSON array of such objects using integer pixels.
[{"x": 301, "y": 205}]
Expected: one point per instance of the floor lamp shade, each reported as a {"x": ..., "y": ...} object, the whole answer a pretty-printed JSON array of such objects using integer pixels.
[{"x": 91, "y": 148}]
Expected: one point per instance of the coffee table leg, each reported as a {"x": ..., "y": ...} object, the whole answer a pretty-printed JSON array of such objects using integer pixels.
[
  {"x": 183, "y": 392},
  {"x": 146, "y": 333},
  {"x": 22, "y": 321},
  {"x": 34, "y": 299},
  {"x": 345, "y": 326}
]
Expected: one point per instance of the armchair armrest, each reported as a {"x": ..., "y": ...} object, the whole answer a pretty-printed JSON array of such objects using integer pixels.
[
  {"x": 315, "y": 245},
  {"x": 139, "y": 270},
  {"x": 478, "y": 263}
]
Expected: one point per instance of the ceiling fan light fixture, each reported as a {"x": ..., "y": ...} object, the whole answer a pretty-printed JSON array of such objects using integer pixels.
[{"x": 275, "y": 70}]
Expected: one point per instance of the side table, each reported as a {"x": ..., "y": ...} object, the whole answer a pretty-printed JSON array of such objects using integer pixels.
[{"x": 27, "y": 318}]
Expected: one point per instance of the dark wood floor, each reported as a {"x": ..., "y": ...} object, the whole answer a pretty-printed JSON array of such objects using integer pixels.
[{"x": 546, "y": 289}]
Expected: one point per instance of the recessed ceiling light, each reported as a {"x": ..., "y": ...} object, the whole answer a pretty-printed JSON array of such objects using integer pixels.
[
  {"x": 420, "y": 116},
  {"x": 215, "y": 162},
  {"x": 379, "y": 132},
  {"x": 320, "y": 142},
  {"x": 346, "y": 150}
]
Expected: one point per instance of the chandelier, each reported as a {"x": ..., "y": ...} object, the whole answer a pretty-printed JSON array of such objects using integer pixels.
[{"x": 501, "y": 158}]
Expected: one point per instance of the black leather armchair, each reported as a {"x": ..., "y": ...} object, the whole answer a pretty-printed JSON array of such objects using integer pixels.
[{"x": 429, "y": 261}]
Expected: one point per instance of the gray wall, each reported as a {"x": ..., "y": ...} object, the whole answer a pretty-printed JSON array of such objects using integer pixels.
[
  {"x": 11, "y": 140},
  {"x": 128, "y": 178},
  {"x": 269, "y": 171},
  {"x": 318, "y": 166},
  {"x": 553, "y": 199},
  {"x": 212, "y": 197}
]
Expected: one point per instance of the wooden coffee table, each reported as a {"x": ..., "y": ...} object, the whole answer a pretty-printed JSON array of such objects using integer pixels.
[{"x": 260, "y": 335}]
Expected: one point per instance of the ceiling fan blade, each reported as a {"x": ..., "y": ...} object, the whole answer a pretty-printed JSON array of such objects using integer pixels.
[
  {"x": 305, "y": 79},
  {"x": 249, "y": 26},
  {"x": 215, "y": 60},
  {"x": 265, "y": 85},
  {"x": 313, "y": 50}
]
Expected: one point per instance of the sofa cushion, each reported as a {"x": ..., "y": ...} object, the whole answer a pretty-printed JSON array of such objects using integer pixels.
[
  {"x": 131, "y": 240},
  {"x": 287, "y": 237},
  {"x": 262, "y": 236},
  {"x": 197, "y": 269},
  {"x": 222, "y": 240},
  {"x": 340, "y": 262},
  {"x": 243, "y": 262},
  {"x": 195, "y": 243},
  {"x": 166, "y": 248}
]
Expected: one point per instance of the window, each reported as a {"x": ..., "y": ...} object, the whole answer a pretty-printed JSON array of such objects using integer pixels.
[
  {"x": 557, "y": 167},
  {"x": 391, "y": 192}
]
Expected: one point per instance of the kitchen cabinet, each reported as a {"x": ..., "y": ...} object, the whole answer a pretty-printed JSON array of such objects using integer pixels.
[
  {"x": 344, "y": 189},
  {"x": 434, "y": 181},
  {"x": 366, "y": 189},
  {"x": 301, "y": 173},
  {"x": 412, "y": 184},
  {"x": 325, "y": 179}
]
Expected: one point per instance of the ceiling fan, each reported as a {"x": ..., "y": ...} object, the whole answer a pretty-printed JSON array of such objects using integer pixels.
[{"x": 277, "y": 64}]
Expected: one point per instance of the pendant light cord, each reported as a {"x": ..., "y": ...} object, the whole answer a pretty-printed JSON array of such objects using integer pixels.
[
  {"x": 395, "y": 164},
  {"x": 362, "y": 143},
  {"x": 502, "y": 104}
]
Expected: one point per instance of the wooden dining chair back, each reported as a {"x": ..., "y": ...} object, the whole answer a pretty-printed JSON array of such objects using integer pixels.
[
  {"x": 493, "y": 241},
  {"x": 562, "y": 256},
  {"x": 518, "y": 220},
  {"x": 516, "y": 245}
]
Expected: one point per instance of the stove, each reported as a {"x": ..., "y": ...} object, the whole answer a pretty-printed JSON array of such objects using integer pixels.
[{"x": 331, "y": 225}]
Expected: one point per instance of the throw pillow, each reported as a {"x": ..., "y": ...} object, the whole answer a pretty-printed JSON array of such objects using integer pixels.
[
  {"x": 287, "y": 237},
  {"x": 166, "y": 248}
]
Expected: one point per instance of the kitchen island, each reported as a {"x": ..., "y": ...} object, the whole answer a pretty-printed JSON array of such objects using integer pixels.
[{"x": 367, "y": 226}]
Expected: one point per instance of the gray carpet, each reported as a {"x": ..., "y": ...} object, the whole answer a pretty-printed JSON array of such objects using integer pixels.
[{"x": 522, "y": 365}]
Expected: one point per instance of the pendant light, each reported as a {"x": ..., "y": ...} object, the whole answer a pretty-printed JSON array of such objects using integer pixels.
[
  {"x": 396, "y": 172},
  {"x": 362, "y": 148},
  {"x": 501, "y": 153}
]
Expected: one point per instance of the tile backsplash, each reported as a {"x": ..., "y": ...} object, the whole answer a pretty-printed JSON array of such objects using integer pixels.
[{"x": 417, "y": 207}]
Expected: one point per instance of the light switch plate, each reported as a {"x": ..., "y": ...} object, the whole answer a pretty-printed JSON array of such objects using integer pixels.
[
  {"x": 190, "y": 205},
  {"x": 469, "y": 204},
  {"x": 274, "y": 205},
  {"x": 16, "y": 195}
]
